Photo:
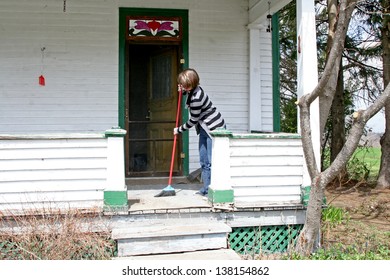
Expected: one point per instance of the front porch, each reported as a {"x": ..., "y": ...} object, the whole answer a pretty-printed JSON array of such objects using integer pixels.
[
  {"x": 187, "y": 225},
  {"x": 261, "y": 173}
]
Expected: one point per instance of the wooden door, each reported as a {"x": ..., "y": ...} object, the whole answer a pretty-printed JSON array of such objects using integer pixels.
[{"x": 151, "y": 110}]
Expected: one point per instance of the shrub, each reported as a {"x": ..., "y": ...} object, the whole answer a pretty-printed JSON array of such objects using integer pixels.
[{"x": 54, "y": 236}]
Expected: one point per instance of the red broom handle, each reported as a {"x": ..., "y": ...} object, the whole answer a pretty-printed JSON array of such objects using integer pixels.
[{"x": 175, "y": 136}]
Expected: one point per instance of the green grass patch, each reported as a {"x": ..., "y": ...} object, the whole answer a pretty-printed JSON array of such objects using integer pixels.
[
  {"x": 371, "y": 158},
  {"x": 363, "y": 165}
]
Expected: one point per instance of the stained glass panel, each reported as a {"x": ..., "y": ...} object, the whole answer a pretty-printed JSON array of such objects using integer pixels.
[{"x": 141, "y": 28}]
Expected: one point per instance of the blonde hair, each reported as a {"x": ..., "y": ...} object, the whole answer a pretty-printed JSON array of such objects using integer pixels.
[{"x": 189, "y": 78}]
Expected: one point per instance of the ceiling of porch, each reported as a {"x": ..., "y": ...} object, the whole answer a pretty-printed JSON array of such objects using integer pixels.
[{"x": 259, "y": 9}]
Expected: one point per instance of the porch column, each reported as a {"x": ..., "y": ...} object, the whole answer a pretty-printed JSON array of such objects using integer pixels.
[
  {"x": 254, "y": 79},
  {"x": 308, "y": 71},
  {"x": 115, "y": 193},
  {"x": 220, "y": 189}
]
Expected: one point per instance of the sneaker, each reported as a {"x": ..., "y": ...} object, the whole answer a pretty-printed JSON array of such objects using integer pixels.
[{"x": 199, "y": 193}]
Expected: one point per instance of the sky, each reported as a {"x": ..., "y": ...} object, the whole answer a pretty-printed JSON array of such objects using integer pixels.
[{"x": 377, "y": 122}]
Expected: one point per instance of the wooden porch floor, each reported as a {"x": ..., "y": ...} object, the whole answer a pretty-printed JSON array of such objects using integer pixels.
[
  {"x": 141, "y": 196},
  {"x": 143, "y": 201}
]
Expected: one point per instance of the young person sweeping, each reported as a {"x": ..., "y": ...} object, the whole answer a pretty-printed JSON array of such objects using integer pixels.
[{"x": 204, "y": 116}]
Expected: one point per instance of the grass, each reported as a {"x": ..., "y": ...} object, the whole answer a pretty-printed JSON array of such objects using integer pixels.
[
  {"x": 371, "y": 158},
  {"x": 352, "y": 240}
]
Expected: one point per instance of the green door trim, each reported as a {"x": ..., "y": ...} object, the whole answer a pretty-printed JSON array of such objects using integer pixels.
[
  {"x": 123, "y": 13},
  {"x": 276, "y": 72}
]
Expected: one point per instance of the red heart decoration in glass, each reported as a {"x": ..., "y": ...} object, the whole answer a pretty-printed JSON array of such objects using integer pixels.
[{"x": 154, "y": 25}]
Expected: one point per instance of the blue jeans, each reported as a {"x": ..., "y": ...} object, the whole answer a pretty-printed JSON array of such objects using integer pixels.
[{"x": 205, "y": 146}]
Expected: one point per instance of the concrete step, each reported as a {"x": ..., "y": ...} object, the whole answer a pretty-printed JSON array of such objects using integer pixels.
[
  {"x": 170, "y": 236},
  {"x": 221, "y": 254}
]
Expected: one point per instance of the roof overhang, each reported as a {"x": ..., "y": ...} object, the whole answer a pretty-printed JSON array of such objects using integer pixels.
[{"x": 259, "y": 9}]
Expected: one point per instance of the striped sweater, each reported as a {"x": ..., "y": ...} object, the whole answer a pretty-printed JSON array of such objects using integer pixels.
[{"x": 202, "y": 112}]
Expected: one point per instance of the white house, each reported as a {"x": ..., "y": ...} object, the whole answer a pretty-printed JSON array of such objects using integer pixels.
[{"x": 88, "y": 98}]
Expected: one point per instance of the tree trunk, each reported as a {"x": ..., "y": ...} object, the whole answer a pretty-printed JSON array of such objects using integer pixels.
[
  {"x": 310, "y": 232},
  {"x": 384, "y": 171},
  {"x": 326, "y": 87},
  {"x": 326, "y": 99},
  {"x": 338, "y": 118}
]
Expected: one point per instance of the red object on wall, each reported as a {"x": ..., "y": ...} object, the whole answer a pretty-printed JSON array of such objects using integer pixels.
[{"x": 41, "y": 80}]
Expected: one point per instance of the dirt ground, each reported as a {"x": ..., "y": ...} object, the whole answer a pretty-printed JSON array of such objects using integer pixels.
[{"x": 367, "y": 212}]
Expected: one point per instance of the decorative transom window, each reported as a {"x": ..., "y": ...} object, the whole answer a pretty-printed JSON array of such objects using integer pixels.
[{"x": 155, "y": 28}]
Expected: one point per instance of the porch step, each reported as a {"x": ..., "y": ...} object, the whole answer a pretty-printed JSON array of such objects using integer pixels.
[
  {"x": 220, "y": 254},
  {"x": 170, "y": 236}
]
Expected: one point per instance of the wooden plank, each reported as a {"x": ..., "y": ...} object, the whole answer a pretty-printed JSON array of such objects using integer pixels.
[
  {"x": 267, "y": 190},
  {"x": 219, "y": 254},
  {"x": 59, "y": 196},
  {"x": 52, "y": 164},
  {"x": 49, "y": 207},
  {"x": 268, "y": 200},
  {"x": 265, "y": 151},
  {"x": 44, "y": 175},
  {"x": 251, "y": 171},
  {"x": 131, "y": 247},
  {"x": 47, "y": 141},
  {"x": 267, "y": 218},
  {"x": 52, "y": 185},
  {"x": 162, "y": 229},
  {"x": 274, "y": 140},
  {"x": 53, "y": 153},
  {"x": 267, "y": 181},
  {"x": 267, "y": 161}
]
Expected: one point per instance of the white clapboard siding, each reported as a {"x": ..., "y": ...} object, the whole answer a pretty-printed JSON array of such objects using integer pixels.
[
  {"x": 50, "y": 207},
  {"x": 63, "y": 196},
  {"x": 266, "y": 170},
  {"x": 80, "y": 63},
  {"x": 266, "y": 80},
  {"x": 38, "y": 171}
]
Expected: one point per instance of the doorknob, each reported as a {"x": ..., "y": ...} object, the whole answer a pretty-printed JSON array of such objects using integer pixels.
[{"x": 148, "y": 115}]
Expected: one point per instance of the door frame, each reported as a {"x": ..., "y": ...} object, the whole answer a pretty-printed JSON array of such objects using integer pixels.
[{"x": 123, "y": 13}]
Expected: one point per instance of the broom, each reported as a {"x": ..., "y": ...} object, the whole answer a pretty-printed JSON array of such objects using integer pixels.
[{"x": 169, "y": 190}]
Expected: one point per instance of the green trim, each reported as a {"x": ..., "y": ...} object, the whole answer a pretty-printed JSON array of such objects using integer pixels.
[
  {"x": 221, "y": 196},
  {"x": 115, "y": 199},
  {"x": 254, "y": 135},
  {"x": 221, "y": 133},
  {"x": 115, "y": 132},
  {"x": 305, "y": 196},
  {"x": 263, "y": 238},
  {"x": 276, "y": 72},
  {"x": 121, "y": 69},
  {"x": 267, "y": 136},
  {"x": 123, "y": 13}
]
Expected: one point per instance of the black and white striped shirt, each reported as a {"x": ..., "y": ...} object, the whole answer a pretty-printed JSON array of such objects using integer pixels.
[{"x": 202, "y": 111}]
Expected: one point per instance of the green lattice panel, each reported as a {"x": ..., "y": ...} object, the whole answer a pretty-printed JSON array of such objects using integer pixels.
[{"x": 263, "y": 239}]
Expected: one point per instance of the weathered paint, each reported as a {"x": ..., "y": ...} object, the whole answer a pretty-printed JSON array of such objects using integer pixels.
[
  {"x": 115, "y": 201},
  {"x": 221, "y": 196}
]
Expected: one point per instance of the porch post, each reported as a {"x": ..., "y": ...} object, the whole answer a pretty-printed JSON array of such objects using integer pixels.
[
  {"x": 308, "y": 72},
  {"x": 255, "y": 123},
  {"x": 115, "y": 193},
  {"x": 220, "y": 189}
]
